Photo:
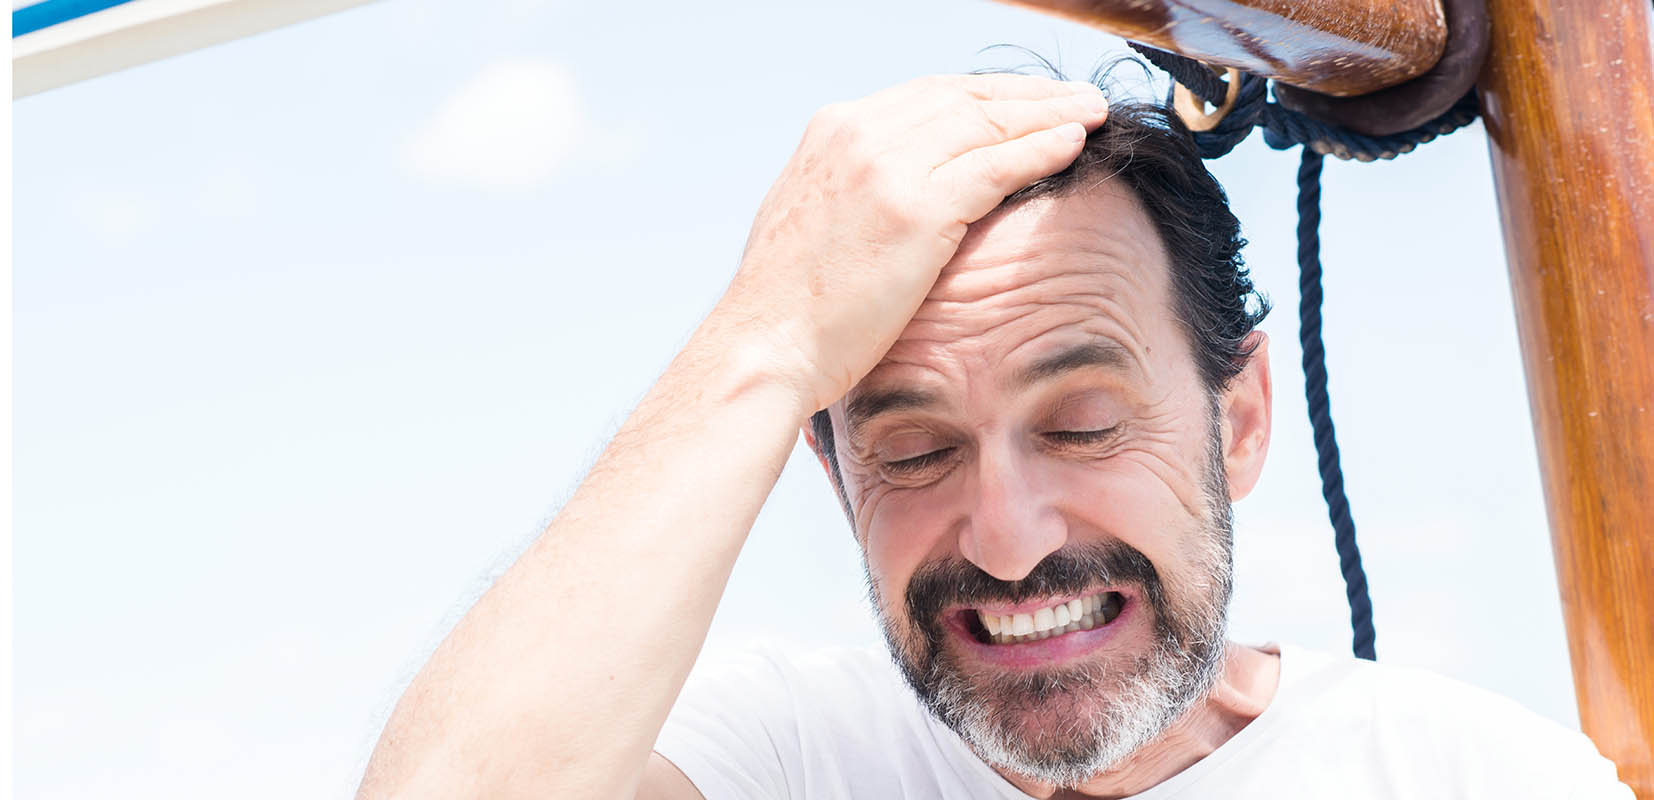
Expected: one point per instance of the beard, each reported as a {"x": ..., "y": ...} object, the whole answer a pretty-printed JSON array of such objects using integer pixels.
[{"x": 1064, "y": 726}]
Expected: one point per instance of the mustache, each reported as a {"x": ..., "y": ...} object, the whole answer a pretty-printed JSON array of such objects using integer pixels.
[{"x": 1071, "y": 570}]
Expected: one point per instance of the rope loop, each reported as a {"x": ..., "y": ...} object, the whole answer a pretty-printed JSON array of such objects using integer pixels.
[{"x": 1193, "y": 110}]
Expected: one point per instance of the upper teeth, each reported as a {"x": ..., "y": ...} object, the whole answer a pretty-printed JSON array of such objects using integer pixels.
[{"x": 1082, "y": 613}]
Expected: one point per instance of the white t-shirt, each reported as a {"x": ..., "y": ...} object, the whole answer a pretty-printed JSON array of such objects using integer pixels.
[{"x": 844, "y": 724}]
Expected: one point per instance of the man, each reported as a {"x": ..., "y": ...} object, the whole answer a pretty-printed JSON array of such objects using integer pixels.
[{"x": 1042, "y": 390}]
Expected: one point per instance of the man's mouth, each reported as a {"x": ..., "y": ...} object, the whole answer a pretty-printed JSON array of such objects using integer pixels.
[{"x": 1032, "y": 625}]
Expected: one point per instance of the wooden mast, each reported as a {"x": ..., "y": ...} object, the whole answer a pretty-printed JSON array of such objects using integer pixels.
[{"x": 1568, "y": 99}]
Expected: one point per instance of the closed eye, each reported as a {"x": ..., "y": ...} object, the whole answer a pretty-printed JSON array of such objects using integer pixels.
[
  {"x": 1082, "y": 437},
  {"x": 917, "y": 463}
]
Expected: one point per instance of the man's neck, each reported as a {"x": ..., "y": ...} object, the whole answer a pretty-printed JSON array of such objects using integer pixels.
[{"x": 1243, "y": 691}]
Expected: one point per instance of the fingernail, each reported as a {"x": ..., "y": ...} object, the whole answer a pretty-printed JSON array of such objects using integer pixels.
[{"x": 1073, "y": 131}]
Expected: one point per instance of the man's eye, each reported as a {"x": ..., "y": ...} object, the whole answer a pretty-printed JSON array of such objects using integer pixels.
[
  {"x": 918, "y": 463},
  {"x": 1081, "y": 437}
]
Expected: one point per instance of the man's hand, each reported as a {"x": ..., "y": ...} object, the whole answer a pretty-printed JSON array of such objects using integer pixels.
[
  {"x": 876, "y": 200},
  {"x": 557, "y": 683}
]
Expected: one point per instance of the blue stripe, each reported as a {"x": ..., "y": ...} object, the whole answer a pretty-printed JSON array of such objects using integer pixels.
[{"x": 29, "y": 19}]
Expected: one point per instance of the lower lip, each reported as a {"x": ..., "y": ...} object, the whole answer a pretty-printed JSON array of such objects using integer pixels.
[{"x": 1044, "y": 652}]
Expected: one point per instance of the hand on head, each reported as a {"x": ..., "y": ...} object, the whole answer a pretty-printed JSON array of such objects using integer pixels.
[{"x": 876, "y": 200}]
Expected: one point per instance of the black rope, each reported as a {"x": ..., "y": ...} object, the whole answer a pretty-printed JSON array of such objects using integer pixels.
[
  {"x": 1283, "y": 129},
  {"x": 1320, "y": 411}
]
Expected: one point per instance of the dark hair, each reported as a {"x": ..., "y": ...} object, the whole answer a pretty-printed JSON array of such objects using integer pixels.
[{"x": 1147, "y": 148}]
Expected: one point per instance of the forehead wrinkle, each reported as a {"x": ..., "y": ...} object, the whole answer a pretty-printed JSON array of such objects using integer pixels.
[
  {"x": 1081, "y": 282},
  {"x": 1094, "y": 312},
  {"x": 1029, "y": 264}
]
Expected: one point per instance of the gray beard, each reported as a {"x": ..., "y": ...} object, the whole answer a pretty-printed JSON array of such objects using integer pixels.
[{"x": 1063, "y": 727}]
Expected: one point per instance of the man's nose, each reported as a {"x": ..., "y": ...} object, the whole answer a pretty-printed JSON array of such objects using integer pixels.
[{"x": 1014, "y": 523}]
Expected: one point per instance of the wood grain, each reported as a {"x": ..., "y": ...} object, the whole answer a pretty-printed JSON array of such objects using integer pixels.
[
  {"x": 1568, "y": 93},
  {"x": 1336, "y": 47}
]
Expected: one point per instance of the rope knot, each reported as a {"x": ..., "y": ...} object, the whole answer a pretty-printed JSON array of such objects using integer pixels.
[{"x": 1285, "y": 128}]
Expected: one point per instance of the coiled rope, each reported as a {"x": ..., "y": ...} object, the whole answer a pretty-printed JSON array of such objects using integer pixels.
[{"x": 1284, "y": 128}]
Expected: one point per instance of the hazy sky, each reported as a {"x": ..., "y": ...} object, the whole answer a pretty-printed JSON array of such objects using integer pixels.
[{"x": 314, "y": 329}]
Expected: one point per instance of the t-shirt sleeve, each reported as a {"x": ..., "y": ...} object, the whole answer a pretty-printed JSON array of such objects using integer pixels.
[
  {"x": 1542, "y": 759},
  {"x": 734, "y": 730},
  {"x": 1561, "y": 762},
  {"x": 1494, "y": 747},
  {"x": 1598, "y": 777}
]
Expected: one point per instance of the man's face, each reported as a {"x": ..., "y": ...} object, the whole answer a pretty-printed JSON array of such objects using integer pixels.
[{"x": 1037, "y": 451}]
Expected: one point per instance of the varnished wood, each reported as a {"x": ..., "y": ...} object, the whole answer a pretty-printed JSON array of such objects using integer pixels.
[
  {"x": 1336, "y": 47},
  {"x": 1568, "y": 92}
]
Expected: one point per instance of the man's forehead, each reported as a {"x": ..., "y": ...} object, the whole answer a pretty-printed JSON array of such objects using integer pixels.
[
  {"x": 1102, "y": 229},
  {"x": 1052, "y": 267},
  {"x": 1078, "y": 278}
]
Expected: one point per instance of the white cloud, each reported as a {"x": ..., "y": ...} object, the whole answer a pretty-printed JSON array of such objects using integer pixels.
[{"x": 513, "y": 125}]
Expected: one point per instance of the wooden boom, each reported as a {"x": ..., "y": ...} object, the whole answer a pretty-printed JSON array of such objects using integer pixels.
[
  {"x": 1336, "y": 47},
  {"x": 1568, "y": 102},
  {"x": 1568, "y": 97}
]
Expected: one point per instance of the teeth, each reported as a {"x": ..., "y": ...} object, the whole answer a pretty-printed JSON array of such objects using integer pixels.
[
  {"x": 1044, "y": 620},
  {"x": 1081, "y": 614},
  {"x": 991, "y": 622}
]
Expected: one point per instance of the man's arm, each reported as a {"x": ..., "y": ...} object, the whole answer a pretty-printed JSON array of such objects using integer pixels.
[
  {"x": 566, "y": 668},
  {"x": 557, "y": 682}
]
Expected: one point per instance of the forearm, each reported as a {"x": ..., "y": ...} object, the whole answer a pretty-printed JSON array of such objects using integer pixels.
[{"x": 558, "y": 681}]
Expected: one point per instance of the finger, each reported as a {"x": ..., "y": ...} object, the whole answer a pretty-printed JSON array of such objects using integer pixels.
[
  {"x": 979, "y": 179},
  {"x": 973, "y": 125}
]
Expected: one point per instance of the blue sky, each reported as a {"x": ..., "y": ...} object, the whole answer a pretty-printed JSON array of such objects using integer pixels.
[{"x": 313, "y": 330}]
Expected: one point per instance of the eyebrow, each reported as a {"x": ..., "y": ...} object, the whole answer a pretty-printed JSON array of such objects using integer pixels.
[
  {"x": 1095, "y": 353},
  {"x": 864, "y": 407}
]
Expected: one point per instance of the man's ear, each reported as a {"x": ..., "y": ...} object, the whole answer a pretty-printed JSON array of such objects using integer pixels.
[
  {"x": 1246, "y": 409},
  {"x": 829, "y": 465},
  {"x": 808, "y": 430}
]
